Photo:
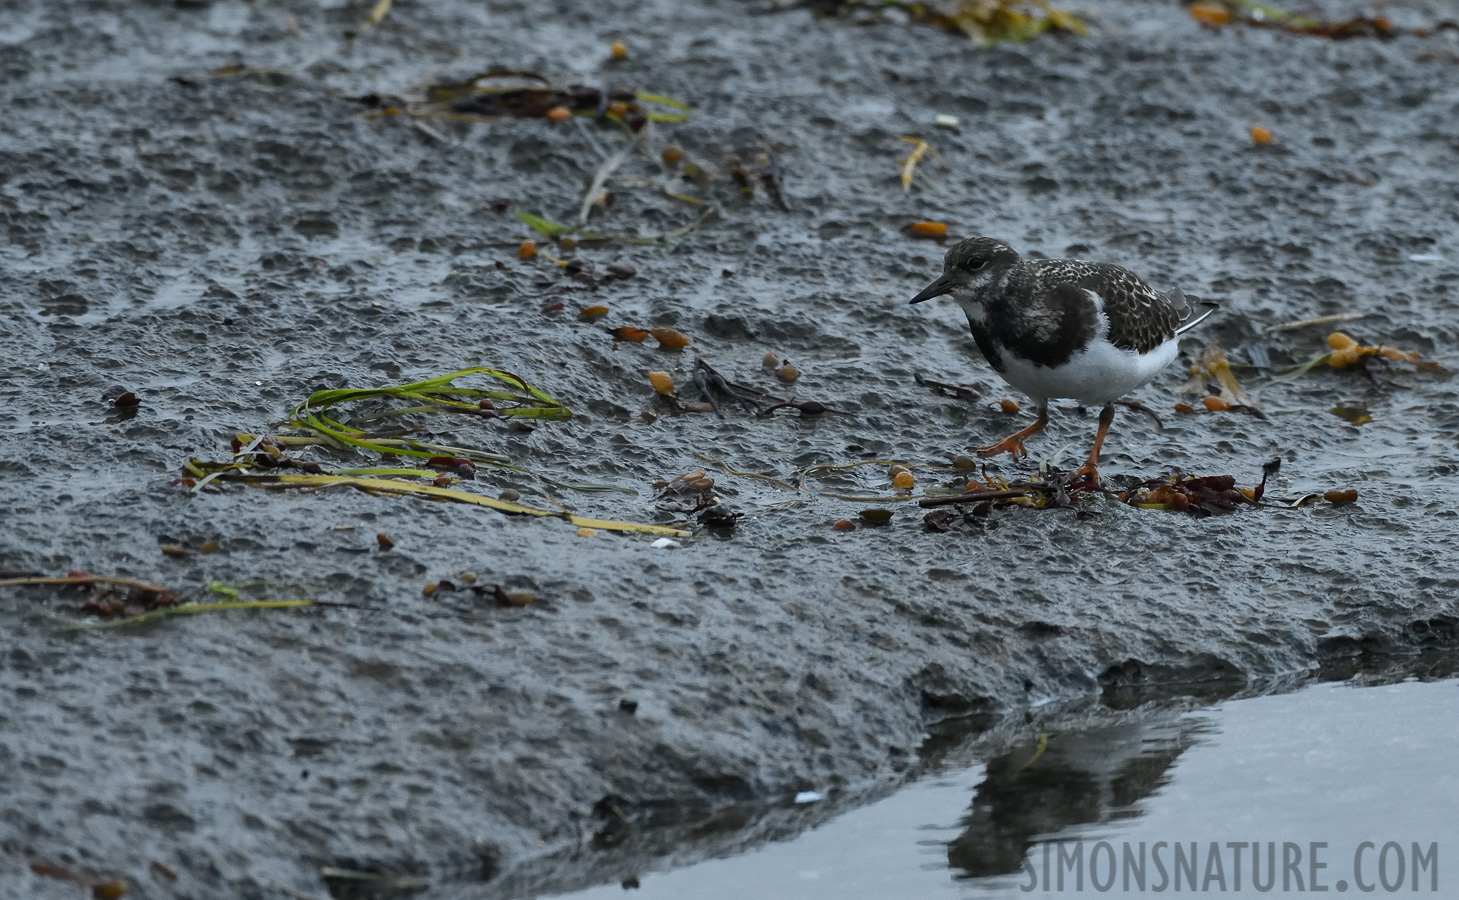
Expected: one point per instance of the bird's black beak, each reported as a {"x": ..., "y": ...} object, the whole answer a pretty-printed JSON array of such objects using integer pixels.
[{"x": 943, "y": 285}]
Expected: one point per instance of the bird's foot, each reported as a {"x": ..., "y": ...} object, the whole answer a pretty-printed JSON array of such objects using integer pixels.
[
  {"x": 1013, "y": 445},
  {"x": 1088, "y": 472}
]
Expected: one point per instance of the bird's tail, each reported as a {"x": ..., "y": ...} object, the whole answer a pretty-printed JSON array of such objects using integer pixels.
[{"x": 1177, "y": 300}]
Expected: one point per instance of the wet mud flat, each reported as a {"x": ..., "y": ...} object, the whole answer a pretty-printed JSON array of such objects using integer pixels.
[{"x": 198, "y": 210}]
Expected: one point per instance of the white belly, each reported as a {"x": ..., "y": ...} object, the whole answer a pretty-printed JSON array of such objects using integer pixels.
[{"x": 1098, "y": 374}]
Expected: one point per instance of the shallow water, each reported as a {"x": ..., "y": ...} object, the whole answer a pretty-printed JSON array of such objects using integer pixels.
[{"x": 1356, "y": 768}]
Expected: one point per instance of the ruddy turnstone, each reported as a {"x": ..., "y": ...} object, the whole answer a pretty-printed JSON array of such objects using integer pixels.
[{"x": 1063, "y": 328}]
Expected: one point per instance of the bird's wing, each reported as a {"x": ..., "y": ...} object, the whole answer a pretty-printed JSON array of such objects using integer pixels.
[{"x": 1140, "y": 318}]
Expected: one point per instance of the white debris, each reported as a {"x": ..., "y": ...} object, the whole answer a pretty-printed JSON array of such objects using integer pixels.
[
  {"x": 943, "y": 120},
  {"x": 666, "y": 544},
  {"x": 808, "y": 797},
  {"x": 1425, "y": 257}
]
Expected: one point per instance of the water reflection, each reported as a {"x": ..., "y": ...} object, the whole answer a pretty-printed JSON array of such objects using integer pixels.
[
  {"x": 1331, "y": 763},
  {"x": 1075, "y": 778}
]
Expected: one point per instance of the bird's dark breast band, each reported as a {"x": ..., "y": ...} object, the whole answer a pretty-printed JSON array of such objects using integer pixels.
[{"x": 1045, "y": 333}]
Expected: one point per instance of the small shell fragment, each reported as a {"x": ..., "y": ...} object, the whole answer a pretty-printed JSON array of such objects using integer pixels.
[
  {"x": 559, "y": 114},
  {"x": 663, "y": 382},
  {"x": 630, "y": 333},
  {"x": 1216, "y": 404}
]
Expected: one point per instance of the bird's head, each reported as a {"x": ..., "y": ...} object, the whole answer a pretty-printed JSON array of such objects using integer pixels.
[{"x": 969, "y": 267}]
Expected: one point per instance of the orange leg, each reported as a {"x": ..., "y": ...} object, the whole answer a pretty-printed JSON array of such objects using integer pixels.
[
  {"x": 1090, "y": 467},
  {"x": 1014, "y": 442}
]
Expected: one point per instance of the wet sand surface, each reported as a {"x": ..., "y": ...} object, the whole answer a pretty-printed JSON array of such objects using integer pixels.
[{"x": 222, "y": 245}]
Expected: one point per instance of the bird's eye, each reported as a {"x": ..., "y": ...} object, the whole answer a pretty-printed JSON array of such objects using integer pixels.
[{"x": 974, "y": 264}]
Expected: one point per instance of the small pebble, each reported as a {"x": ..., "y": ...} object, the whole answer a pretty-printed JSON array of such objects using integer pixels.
[
  {"x": 514, "y": 598},
  {"x": 668, "y": 337},
  {"x": 904, "y": 481},
  {"x": 928, "y": 229},
  {"x": 1340, "y": 497},
  {"x": 587, "y": 532},
  {"x": 844, "y": 525},
  {"x": 771, "y": 360},
  {"x": 672, "y": 154},
  {"x": 964, "y": 463},
  {"x": 510, "y": 495},
  {"x": 1008, "y": 405},
  {"x": 559, "y": 114},
  {"x": 876, "y": 516},
  {"x": 109, "y": 890},
  {"x": 1261, "y": 136},
  {"x": 618, "y": 50}
]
